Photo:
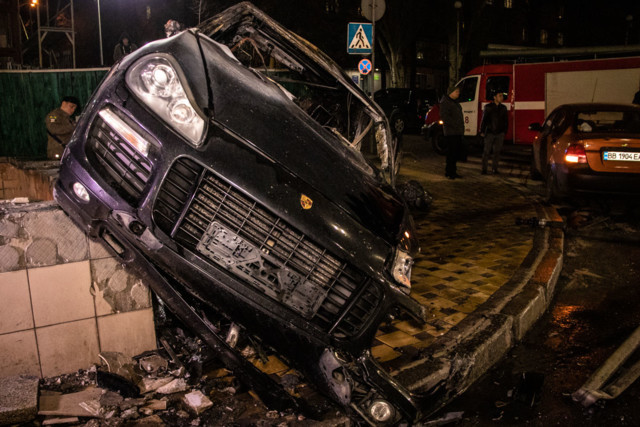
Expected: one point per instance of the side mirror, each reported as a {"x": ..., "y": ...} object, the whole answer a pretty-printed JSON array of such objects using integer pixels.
[{"x": 535, "y": 127}]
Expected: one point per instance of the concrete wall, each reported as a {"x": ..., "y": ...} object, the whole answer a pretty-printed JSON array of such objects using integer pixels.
[
  {"x": 63, "y": 298},
  {"x": 34, "y": 183}
]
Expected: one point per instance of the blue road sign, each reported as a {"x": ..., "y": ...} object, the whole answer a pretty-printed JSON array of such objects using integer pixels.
[
  {"x": 359, "y": 38},
  {"x": 364, "y": 66}
]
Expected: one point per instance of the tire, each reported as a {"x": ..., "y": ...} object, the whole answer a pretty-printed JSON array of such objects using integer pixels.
[
  {"x": 438, "y": 143},
  {"x": 398, "y": 123},
  {"x": 533, "y": 171},
  {"x": 552, "y": 192}
]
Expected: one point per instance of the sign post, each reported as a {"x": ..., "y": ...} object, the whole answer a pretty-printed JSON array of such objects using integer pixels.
[{"x": 373, "y": 10}]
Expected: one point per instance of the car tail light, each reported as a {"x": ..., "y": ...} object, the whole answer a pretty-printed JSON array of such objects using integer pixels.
[{"x": 575, "y": 153}]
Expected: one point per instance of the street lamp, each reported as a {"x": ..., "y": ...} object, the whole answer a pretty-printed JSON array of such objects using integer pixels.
[{"x": 457, "y": 5}]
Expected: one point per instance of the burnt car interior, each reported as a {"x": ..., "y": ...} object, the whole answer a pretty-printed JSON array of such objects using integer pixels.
[{"x": 262, "y": 45}]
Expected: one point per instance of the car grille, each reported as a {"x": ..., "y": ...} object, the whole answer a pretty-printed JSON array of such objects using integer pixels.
[
  {"x": 124, "y": 169},
  {"x": 206, "y": 214}
]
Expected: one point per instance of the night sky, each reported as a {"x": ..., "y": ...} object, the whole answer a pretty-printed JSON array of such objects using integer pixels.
[{"x": 584, "y": 24}]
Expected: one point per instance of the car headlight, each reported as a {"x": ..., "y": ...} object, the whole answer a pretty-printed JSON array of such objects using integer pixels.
[
  {"x": 401, "y": 269},
  {"x": 156, "y": 81}
]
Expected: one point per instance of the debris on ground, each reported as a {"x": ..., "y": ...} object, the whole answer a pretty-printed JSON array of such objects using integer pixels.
[
  {"x": 197, "y": 402},
  {"x": 79, "y": 404},
  {"x": 179, "y": 384},
  {"x": 448, "y": 418}
]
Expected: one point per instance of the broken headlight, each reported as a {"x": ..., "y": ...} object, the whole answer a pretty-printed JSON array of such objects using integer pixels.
[
  {"x": 401, "y": 269},
  {"x": 157, "y": 81}
]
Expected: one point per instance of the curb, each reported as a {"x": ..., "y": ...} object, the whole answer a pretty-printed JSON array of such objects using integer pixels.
[{"x": 458, "y": 358}]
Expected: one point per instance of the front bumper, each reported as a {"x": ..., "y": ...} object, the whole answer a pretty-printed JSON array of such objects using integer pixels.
[{"x": 123, "y": 230}]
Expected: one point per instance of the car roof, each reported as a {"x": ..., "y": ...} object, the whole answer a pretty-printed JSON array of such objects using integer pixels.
[{"x": 598, "y": 106}]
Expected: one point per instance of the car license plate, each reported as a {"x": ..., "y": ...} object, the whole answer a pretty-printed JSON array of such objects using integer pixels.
[{"x": 621, "y": 156}]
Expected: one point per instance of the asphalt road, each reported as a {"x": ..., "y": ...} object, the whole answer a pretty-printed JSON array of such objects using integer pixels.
[{"x": 595, "y": 309}]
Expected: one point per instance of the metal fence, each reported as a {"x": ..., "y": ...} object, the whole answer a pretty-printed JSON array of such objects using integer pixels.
[{"x": 27, "y": 97}]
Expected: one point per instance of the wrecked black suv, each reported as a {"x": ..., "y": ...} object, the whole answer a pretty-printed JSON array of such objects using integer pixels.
[{"x": 224, "y": 164}]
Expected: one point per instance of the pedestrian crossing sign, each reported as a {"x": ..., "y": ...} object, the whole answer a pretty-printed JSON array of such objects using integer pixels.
[{"x": 359, "y": 38}]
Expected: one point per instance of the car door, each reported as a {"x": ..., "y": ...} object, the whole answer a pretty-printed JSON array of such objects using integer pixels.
[{"x": 554, "y": 127}]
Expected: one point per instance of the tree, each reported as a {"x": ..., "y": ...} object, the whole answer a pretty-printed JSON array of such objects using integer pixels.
[
  {"x": 200, "y": 8},
  {"x": 396, "y": 33}
]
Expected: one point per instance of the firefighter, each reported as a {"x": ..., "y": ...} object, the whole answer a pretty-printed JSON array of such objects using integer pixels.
[{"x": 60, "y": 126}]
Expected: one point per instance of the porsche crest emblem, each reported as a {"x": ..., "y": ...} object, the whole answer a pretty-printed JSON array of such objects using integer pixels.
[{"x": 305, "y": 202}]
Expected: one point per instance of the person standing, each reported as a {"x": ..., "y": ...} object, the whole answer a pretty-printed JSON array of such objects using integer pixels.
[
  {"x": 60, "y": 126},
  {"x": 123, "y": 48},
  {"x": 453, "y": 129},
  {"x": 495, "y": 121}
]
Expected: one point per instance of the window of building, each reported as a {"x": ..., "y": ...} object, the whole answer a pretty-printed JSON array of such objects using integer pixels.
[
  {"x": 561, "y": 11},
  {"x": 489, "y": 2},
  {"x": 544, "y": 37},
  {"x": 508, "y": 4},
  {"x": 560, "y": 39}
]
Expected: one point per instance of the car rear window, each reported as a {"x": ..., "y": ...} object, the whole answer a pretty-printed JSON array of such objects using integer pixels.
[{"x": 604, "y": 121}]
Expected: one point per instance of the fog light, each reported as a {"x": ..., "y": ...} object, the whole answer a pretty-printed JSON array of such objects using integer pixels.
[
  {"x": 381, "y": 411},
  {"x": 81, "y": 192}
]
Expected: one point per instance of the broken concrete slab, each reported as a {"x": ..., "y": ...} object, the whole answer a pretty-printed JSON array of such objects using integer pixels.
[
  {"x": 60, "y": 420},
  {"x": 153, "y": 405},
  {"x": 153, "y": 420},
  {"x": 197, "y": 402},
  {"x": 148, "y": 385},
  {"x": 175, "y": 386},
  {"x": 18, "y": 399},
  {"x": 120, "y": 364},
  {"x": 70, "y": 404}
]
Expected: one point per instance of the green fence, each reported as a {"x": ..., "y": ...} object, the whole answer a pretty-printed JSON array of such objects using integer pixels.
[{"x": 27, "y": 96}]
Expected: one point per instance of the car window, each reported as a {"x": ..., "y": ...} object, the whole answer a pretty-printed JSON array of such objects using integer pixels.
[
  {"x": 607, "y": 121},
  {"x": 497, "y": 84},
  {"x": 468, "y": 89},
  {"x": 559, "y": 123}
]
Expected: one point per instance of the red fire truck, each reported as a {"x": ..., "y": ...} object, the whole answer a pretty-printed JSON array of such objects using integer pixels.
[{"x": 532, "y": 90}]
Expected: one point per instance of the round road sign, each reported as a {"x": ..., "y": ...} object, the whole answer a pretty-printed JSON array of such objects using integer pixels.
[
  {"x": 364, "y": 66},
  {"x": 369, "y": 6}
]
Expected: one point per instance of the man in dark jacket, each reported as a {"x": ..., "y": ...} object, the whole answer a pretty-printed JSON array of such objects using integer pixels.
[
  {"x": 60, "y": 127},
  {"x": 123, "y": 48},
  {"x": 453, "y": 129},
  {"x": 495, "y": 121}
]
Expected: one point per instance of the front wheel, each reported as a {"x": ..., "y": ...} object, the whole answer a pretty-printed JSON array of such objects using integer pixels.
[
  {"x": 552, "y": 191},
  {"x": 533, "y": 170},
  {"x": 438, "y": 143}
]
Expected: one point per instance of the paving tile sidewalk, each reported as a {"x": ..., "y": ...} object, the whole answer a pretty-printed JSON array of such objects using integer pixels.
[{"x": 471, "y": 246}]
